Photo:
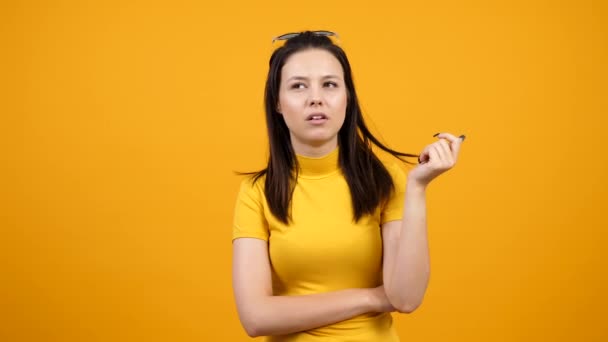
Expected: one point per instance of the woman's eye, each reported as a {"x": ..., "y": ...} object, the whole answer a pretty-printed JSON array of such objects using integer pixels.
[
  {"x": 297, "y": 85},
  {"x": 331, "y": 84}
]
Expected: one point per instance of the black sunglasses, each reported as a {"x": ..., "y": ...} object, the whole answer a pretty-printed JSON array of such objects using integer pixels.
[{"x": 295, "y": 34}]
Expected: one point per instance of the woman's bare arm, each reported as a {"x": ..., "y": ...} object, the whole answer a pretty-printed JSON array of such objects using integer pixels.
[
  {"x": 406, "y": 253},
  {"x": 407, "y": 261},
  {"x": 263, "y": 314}
]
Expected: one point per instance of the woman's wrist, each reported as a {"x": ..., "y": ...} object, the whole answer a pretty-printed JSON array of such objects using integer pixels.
[{"x": 415, "y": 186}]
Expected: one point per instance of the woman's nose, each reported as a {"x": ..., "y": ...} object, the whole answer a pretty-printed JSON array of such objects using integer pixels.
[
  {"x": 315, "y": 97},
  {"x": 315, "y": 102}
]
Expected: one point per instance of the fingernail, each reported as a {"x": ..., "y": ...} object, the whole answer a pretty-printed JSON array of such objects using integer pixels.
[
  {"x": 462, "y": 137},
  {"x": 436, "y": 134}
]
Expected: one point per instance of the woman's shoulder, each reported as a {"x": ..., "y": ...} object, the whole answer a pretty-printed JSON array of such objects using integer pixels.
[
  {"x": 395, "y": 168},
  {"x": 393, "y": 165},
  {"x": 253, "y": 182}
]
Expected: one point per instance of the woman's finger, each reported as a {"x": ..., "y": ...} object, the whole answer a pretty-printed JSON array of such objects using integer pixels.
[
  {"x": 455, "y": 143},
  {"x": 450, "y": 137},
  {"x": 424, "y": 156},
  {"x": 434, "y": 156},
  {"x": 441, "y": 161},
  {"x": 446, "y": 152}
]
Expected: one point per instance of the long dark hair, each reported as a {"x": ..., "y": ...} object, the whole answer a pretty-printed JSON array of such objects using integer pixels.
[{"x": 369, "y": 181}]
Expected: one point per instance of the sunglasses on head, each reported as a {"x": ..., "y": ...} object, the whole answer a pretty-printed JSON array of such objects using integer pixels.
[{"x": 295, "y": 34}]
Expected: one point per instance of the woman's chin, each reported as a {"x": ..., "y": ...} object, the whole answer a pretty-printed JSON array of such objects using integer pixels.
[
  {"x": 321, "y": 141},
  {"x": 316, "y": 142}
]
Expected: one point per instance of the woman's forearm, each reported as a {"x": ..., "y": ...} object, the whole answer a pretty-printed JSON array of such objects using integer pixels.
[
  {"x": 279, "y": 315},
  {"x": 410, "y": 276}
]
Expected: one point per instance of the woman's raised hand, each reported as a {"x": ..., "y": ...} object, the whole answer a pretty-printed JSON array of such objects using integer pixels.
[{"x": 436, "y": 158}]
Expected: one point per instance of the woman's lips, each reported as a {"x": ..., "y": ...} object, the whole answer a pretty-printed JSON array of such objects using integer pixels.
[{"x": 317, "y": 118}]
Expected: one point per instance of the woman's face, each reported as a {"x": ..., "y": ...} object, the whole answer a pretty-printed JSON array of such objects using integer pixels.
[{"x": 312, "y": 100}]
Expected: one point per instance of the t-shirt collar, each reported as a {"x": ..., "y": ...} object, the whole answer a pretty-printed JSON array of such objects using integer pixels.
[{"x": 319, "y": 166}]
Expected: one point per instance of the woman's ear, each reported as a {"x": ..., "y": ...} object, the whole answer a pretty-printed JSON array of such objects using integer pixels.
[{"x": 278, "y": 108}]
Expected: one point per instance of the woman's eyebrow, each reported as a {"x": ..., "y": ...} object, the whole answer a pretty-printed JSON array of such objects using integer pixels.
[
  {"x": 306, "y": 78},
  {"x": 297, "y": 78}
]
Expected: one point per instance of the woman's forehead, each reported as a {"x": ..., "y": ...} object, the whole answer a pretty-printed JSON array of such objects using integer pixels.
[{"x": 312, "y": 62}]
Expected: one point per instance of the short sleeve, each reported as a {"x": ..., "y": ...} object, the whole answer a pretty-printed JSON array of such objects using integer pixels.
[
  {"x": 249, "y": 219},
  {"x": 393, "y": 209}
]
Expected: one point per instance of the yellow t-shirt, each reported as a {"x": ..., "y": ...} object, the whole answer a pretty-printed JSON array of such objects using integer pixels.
[{"x": 323, "y": 250}]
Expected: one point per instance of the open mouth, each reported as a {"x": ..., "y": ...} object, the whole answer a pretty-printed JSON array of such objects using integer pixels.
[{"x": 316, "y": 117}]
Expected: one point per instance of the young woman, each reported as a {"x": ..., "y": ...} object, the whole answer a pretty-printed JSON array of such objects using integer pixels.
[{"x": 328, "y": 240}]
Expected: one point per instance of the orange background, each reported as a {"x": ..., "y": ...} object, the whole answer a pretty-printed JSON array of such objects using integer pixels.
[{"x": 122, "y": 123}]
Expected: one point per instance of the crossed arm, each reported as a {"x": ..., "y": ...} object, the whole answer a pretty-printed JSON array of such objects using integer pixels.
[
  {"x": 262, "y": 314},
  {"x": 405, "y": 269}
]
